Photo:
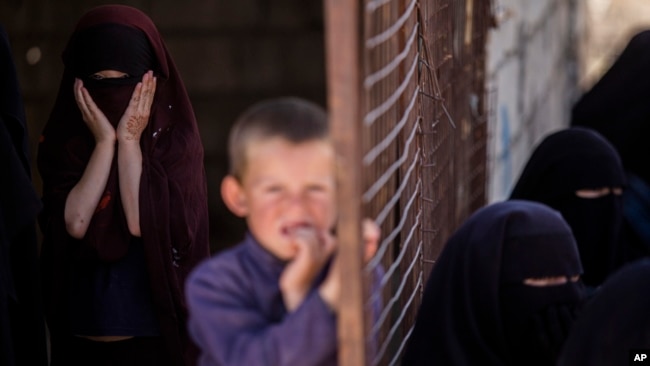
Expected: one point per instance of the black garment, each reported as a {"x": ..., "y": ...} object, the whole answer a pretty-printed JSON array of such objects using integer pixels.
[
  {"x": 617, "y": 107},
  {"x": 113, "y": 299},
  {"x": 636, "y": 219},
  {"x": 615, "y": 321},
  {"x": 138, "y": 351},
  {"x": 473, "y": 306},
  {"x": 22, "y": 327},
  {"x": 563, "y": 163},
  {"x": 102, "y": 47}
]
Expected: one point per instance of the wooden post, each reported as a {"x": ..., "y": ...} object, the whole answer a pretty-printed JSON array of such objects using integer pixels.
[{"x": 344, "y": 69}]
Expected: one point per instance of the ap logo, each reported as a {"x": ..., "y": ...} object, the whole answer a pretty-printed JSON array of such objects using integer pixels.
[{"x": 639, "y": 357}]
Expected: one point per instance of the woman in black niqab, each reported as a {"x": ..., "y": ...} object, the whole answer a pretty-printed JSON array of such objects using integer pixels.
[
  {"x": 617, "y": 107},
  {"x": 480, "y": 306},
  {"x": 577, "y": 172},
  {"x": 614, "y": 322}
]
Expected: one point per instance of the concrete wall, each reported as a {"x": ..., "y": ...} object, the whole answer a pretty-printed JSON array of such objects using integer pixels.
[
  {"x": 229, "y": 53},
  {"x": 532, "y": 81},
  {"x": 610, "y": 25},
  {"x": 541, "y": 57}
]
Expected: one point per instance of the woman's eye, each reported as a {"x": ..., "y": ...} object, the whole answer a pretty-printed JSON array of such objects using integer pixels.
[{"x": 97, "y": 76}]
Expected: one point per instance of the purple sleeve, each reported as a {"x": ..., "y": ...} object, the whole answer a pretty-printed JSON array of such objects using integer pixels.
[{"x": 230, "y": 329}]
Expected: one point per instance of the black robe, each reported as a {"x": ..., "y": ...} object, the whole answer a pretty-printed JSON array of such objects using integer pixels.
[
  {"x": 614, "y": 322},
  {"x": 22, "y": 326},
  {"x": 617, "y": 107},
  {"x": 564, "y": 162},
  {"x": 475, "y": 293}
]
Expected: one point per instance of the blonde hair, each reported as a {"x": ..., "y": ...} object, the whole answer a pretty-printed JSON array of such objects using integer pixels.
[{"x": 294, "y": 119}]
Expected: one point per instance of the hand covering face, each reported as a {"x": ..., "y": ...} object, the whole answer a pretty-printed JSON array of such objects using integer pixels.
[{"x": 173, "y": 194}]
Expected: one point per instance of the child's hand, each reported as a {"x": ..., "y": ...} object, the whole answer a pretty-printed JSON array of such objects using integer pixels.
[
  {"x": 313, "y": 251},
  {"x": 136, "y": 116},
  {"x": 371, "y": 234},
  {"x": 330, "y": 290},
  {"x": 95, "y": 119}
]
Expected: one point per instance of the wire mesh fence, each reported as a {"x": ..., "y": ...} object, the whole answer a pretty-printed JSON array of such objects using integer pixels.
[{"x": 407, "y": 102}]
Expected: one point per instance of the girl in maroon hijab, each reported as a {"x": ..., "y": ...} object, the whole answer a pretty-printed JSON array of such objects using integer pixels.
[{"x": 124, "y": 193}]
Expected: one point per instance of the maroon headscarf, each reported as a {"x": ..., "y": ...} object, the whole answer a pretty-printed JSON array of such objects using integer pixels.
[{"x": 173, "y": 192}]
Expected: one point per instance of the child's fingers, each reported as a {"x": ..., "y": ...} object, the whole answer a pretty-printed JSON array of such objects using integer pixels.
[
  {"x": 317, "y": 245},
  {"x": 370, "y": 230},
  {"x": 329, "y": 242},
  {"x": 91, "y": 108},
  {"x": 136, "y": 97},
  {"x": 148, "y": 90},
  {"x": 306, "y": 239},
  {"x": 78, "y": 96},
  {"x": 371, "y": 234},
  {"x": 142, "y": 97},
  {"x": 89, "y": 102}
]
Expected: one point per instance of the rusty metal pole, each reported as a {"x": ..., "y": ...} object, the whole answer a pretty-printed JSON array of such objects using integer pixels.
[{"x": 344, "y": 69}]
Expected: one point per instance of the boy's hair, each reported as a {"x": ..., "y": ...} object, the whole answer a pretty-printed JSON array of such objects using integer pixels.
[{"x": 294, "y": 119}]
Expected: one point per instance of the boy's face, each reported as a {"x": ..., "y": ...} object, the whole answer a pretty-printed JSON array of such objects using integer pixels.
[{"x": 287, "y": 187}]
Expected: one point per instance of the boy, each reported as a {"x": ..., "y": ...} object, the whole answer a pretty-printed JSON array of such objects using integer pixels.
[{"x": 271, "y": 300}]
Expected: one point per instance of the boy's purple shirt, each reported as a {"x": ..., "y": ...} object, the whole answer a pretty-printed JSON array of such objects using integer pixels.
[{"x": 238, "y": 317}]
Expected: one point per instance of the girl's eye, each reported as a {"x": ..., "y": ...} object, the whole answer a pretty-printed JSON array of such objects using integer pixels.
[{"x": 99, "y": 76}]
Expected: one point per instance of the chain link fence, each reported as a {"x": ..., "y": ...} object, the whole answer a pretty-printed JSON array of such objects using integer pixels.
[{"x": 406, "y": 84}]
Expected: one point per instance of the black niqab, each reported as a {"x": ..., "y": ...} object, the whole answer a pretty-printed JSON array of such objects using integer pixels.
[
  {"x": 614, "y": 322},
  {"x": 461, "y": 320},
  {"x": 563, "y": 163},
  {"x": 102, "y": 47}
]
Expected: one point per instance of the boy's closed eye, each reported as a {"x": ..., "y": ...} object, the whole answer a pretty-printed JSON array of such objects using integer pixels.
[
  {"x": 316, "y": 188},
  {"x": 273, "y": 189}
]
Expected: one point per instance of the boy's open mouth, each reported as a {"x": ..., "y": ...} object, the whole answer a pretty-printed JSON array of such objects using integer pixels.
[{"x": 293, "y": 228}]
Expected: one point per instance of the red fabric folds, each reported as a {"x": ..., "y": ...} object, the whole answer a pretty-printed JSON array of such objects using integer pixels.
[{"x": 173, "y": 192}]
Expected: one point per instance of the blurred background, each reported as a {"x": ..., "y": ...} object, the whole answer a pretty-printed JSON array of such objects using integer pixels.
[
  {"x": 230, "y": 54},
  {"x": 540, "y": 56},
  {"x": 453, "y": 97}
]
